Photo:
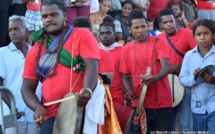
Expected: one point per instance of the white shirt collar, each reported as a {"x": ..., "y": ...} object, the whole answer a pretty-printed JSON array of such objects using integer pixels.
[{"x": 12, "y": 47}]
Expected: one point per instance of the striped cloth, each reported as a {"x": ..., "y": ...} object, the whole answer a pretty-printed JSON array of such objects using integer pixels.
[{"x": 33, "y": 20}]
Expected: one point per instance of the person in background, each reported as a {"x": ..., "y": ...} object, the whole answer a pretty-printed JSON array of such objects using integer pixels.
[
  {"x": 142, "y": 5},
  {"x": 179, "y": 42},
  {"x": 155, "y": 7},
  {"x": 77, "y": 8},
  {"x": 180, "y": 18},
  {"x": 205, "y": 9},
  {"x": 94, "y": 6},
  {"x": 150, "y": 27},
  {"x": 106, "y": 65},
  {"x": 115, "y": 8},
  {"x": 33, "y": 17},
  {"x": 189, "y": 8},
  {"x": 121, "y": 21},
  {"x": 97, "y": 18},
  {"x": 12, "y": 58},
  {"x": 107, "y": 37},
  {"x": 16, "y": 7},
  {"x": 202, "y": 94},
  {"x": 157, "y": 26}
]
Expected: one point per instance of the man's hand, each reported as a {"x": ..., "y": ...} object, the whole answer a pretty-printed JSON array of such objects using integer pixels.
[
  {"x": 39, "y": 116},
  {"x": 129, "y": 98},
  {"x": 19, "y": 114},
  {"x": 148, "y": 80},
  {"x": 196, "y": 71},
  {"x": 175, "y": 69},
  {"x": 83, "y": 97}
]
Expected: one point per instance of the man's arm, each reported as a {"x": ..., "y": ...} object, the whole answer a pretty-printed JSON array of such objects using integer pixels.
[
  {"x": 143, "y": 7},
  {"x": 127, "y": 87},
  {"x": 150, "y": 79},
  {"x": 28, "y": 93},
  {"x": 90, "y": 81},
  {"x": 91, "y": 73},
  {"x": 91, "y": 17},
  {"x": 5, "y": 97},
  {"x": 175, "y": 69}
]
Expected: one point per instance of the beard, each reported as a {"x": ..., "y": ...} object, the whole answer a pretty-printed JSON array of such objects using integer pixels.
[{"x": 56, "y": 31}]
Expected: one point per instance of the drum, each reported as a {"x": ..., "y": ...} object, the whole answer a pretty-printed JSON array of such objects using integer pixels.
[{"x": 177, "y": 89}]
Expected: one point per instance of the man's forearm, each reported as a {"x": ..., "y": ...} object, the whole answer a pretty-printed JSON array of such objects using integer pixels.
[
  {"x": 91, "y": 74},
  {"x": 163, "y": 73},
  {"x": 127, "y": 84},
  {"x": 165, "y": 69},
  {"x": 6, "y": 99},
  {"x": 28, "y": 93}
]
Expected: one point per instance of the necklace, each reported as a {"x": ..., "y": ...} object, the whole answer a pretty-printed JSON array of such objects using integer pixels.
[
  {"x": 145, "y": 46},
  {"x": 55, "y": 50},
  {"x": 144, "y": 57}
]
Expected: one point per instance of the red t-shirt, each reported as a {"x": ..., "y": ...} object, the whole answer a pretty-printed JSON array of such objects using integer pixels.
[
  {"x": 116, "y": 86},
  {"x": 205, "y": 5},
  {"x": 56, "y": 87},
  {"x": 155, "y": 7},
  {"x": 106, "y": 63},
  {"x": 183, "y": 41},
  {"x": 32, "y": 6},
  {"x": 158, "y": 95}
]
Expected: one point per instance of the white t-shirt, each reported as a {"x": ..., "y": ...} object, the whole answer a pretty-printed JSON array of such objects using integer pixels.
[
  {"x": 94, "y": 6},
  {"x": 11, "y": 69}
]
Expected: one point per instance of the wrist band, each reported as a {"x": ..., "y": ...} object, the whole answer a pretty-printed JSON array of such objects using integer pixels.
[{"x": 91, "y": 93}]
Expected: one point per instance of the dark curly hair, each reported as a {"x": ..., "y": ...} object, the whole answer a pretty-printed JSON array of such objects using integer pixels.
[
  {"x": 135, "y": 14},
  {"x": 164, "y": 12},
  {"x": 60, "y": 4},
  {"x": 108, "y": 21}
]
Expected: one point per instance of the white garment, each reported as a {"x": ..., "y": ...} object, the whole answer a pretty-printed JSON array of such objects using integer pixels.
[
  {"x": 157, "y": 32},
  {"x": 95, "y": 110},
  {"x": 11, "y": 70},
  {"x": 111, "y": 47},
  {"x": 94, "y": 6}
]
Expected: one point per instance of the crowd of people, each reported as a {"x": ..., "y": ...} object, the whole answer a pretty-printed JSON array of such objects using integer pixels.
[{"x": 104, "y": 52}]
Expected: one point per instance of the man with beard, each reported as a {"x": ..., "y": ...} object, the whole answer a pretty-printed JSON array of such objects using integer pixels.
[
  {"x": 182, "y": 41},
  {"x": 12, "y": 58},
  {"x": 63, "y": 60}
]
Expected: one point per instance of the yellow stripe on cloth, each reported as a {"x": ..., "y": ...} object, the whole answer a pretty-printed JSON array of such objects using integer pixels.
[{"x": 111, "y": 125}]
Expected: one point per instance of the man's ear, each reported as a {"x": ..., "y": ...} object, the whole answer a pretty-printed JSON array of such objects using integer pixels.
[
  {"x": 65, "y": 16},
  {"x": 26, "y": 32}
]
